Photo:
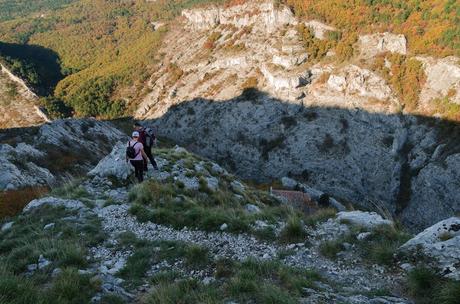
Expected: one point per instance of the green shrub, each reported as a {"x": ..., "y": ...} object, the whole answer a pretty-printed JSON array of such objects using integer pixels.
[
  {"x": 196, "y": 256},
  {"x": 330, "y": 249},
  {"x": 71, "y": 288},
  {"x": 449, "y": 293},
  {"x": 422, "y": 284},
  {"x": 294, "y": 231},
  {"x": 382, "y": 244}
]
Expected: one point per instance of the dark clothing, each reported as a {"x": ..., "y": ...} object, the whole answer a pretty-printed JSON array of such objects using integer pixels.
[
  {"x": 142, "y": 136},
  {"x": 148, "y": 151},
  {"x": 138, "y": 169}
]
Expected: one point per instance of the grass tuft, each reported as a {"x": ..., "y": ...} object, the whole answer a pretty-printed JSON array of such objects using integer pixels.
[
  {"x": 294, "y": 231},
  {"x": 330, "y": 249}
]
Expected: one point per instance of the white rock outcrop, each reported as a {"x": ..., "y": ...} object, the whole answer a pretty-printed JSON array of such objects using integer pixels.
[
  {"x": 280, "y": 80},
  {"x": 367, "y": 220},
  {"x": 264, "y": 15},
  {"x": 54, "y": 202},
  {"x": 353, "y": 80},
  {"x": 289, "y": 61},
  {"x": 442, "y": 78},
  {"x": 374, "y": 44},
  {"x": 442, "y": 243}
]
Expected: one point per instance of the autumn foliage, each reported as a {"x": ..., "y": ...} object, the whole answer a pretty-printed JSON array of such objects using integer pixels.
[{"x": 432, "y": 27}]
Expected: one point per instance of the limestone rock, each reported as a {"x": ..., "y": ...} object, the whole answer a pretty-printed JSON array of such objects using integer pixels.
[
  {"x": 261, "y": 14},
  {"x": 18, "y": 171},
  {"x": 83, "y": 141},
  {"x": 442, "y": 243},
  {"x": 434, "y": 183},
  {"x": 289, "y": 182},
  {"x": 237, "y": 186},
  {"x": 367, "y": 220},
  {"x": 355, "y": 80},
  {"x": 213, "y": 183},
  {"x": 289, "y": 61},
  {"x": 280, "y": 80},
  {"x": 371, "y": 45},
  {"x": 54, "y": 202},
  {"x": 250, "y": 208}
]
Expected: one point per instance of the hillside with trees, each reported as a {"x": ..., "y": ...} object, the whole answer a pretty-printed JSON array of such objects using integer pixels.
[{"x": 116, "y": 43}]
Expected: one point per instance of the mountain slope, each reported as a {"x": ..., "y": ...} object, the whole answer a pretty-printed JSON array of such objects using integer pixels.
[
  {"x": 245, "y": 85},
  {"x": 19, "y": 104}
]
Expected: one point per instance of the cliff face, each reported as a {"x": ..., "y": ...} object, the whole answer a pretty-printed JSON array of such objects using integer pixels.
[{"x": 238, "y": 85}]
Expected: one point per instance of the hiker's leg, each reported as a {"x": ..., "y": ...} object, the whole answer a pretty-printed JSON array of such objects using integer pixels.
[
  {"x": 140, "y": 170},
  {"x": 136, "y": 164},
  {"x": 148, "y": 151},
  {"x": 144, "y": 164}
]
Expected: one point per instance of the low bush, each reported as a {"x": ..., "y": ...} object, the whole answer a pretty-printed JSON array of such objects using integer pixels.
[
  {"x": 294, "y": 231},
  {"x": 330, "y": 249}
]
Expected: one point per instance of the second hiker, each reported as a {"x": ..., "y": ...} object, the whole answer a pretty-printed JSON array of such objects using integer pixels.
[{"x": 147, "y": 138}]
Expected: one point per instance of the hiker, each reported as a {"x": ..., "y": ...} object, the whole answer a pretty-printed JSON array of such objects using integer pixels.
[
  {"x": 147, "y": 138},
  {"x": 136, "y": 155}
]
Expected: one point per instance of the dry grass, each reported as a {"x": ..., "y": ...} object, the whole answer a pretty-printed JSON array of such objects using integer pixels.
[{"x": 13, "y": 201}]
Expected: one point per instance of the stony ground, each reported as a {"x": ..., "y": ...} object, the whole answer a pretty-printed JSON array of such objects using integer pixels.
[{"x": 133, "y": 256}]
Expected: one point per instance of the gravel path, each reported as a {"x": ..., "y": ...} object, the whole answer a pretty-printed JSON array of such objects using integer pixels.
[
  {"x": 116, "y": 219},
  {"x": 348, "y": 276}
]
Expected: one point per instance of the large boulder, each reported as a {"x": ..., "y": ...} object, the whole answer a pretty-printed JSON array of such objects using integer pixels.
[
  {"x": 114, "y": 164},
  {"x": 441, "y": 242},
  {"x": 283, "y": 80},
  {"x": 353, "y": 80}
]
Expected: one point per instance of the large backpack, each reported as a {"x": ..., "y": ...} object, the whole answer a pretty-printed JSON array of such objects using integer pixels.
[
  {"x": 149, "y": 137},
  {"x": 130, "y": 151}
]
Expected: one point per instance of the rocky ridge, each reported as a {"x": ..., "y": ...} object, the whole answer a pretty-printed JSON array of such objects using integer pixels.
[{"x": 38, "y": 156}]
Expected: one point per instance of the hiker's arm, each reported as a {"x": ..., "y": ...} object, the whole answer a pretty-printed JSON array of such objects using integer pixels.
[{"x": 144, "y": 155}]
